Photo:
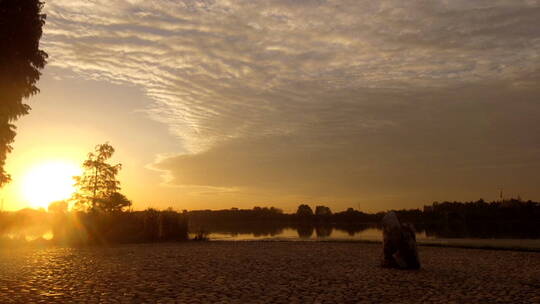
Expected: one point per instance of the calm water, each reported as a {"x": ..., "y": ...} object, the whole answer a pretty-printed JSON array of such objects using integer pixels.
[
  {"x": 312, "y": 234},
  {"x": 374, "y": 234}
]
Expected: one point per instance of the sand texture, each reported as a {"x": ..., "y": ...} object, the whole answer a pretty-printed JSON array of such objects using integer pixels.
[{"x": 264, "y": 272}]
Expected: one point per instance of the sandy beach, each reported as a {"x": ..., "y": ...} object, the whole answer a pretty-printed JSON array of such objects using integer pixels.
[{"x": 264, "y": 272}]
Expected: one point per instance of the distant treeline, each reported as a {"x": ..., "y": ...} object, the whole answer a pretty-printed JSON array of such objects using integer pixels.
[
  {"x": 513, "y": 218},
  {"x": 499, "y": 211},
  {"x": 509, "y": 218}
]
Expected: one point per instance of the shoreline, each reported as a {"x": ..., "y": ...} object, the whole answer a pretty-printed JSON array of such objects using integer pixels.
[{"x": 421, "y": 244}]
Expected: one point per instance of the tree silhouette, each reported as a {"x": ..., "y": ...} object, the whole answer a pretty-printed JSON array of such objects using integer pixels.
[
  {"x": 304, "y": 211},
  {"x": 21, "y": 60},
  {"x": 116, "y": 201},
  {"x": 323, "y": 211},
  {"x": 98, "y": 188}
]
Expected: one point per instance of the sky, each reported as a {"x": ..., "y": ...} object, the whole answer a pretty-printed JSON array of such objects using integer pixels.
[{"x": 373, "y": 105}]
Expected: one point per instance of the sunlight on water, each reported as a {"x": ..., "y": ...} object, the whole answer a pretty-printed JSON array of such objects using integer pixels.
[{"x": 28, "y": 237}]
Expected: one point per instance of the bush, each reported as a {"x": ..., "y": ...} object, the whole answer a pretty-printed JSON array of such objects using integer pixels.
[{"x": 123, "y": 227}]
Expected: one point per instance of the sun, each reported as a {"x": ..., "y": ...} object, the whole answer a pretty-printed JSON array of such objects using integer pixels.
[{"x": 48, "y": 182}]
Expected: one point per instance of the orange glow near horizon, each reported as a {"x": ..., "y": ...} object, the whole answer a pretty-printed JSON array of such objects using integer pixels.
[{"x": 48, "y": 181}]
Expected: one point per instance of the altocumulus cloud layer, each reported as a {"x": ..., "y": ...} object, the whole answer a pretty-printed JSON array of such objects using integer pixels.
[{"x": 390, "y": 101}]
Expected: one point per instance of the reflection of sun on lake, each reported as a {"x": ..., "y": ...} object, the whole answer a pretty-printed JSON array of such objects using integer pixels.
[
  {"x": 48, "y": 182},
  {"x": 28, "y": 236}
]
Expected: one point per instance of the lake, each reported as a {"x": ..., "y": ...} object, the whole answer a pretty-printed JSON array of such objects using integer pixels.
[
  {"x": 313, "y": 233},
  {"x": 373, "y": 234}
]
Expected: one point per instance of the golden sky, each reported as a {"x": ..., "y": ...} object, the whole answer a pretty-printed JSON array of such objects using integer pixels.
[{"x": 365, "y": 104}]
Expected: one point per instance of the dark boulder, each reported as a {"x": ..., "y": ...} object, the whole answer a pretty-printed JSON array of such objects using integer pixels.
[{"x": 399, "y": 244}]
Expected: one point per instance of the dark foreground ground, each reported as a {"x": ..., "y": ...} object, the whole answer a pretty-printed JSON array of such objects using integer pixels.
[{"x": 264, "y": 272}]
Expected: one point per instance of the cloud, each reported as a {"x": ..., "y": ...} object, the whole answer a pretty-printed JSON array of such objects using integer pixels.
[
  {"x": 327, "y": 88},
  {"x": 468, "y": 141}
]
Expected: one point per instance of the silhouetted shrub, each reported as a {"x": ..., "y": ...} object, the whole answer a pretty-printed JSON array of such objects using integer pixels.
[
  {"x": 322, "y": 211},
  {"x": 304, "y": 212},
  {"x": 150, "y": 219},
  {"x": 173, "y": 226},
  {"x": 125, "y": 227}
]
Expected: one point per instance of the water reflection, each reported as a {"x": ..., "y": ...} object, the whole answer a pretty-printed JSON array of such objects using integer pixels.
[
  {"x": 371, "y": 233},
  {"x": 29, "y": 235},
  {"x": 299, "y": 232},
  {"x": 305, "y": 231},
  {"x": 480, "y": 234},
  {"x": 354, "y": 232},
  {"x": 323, "y": 231}
]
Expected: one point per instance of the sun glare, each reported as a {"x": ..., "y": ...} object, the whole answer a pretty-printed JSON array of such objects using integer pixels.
[{"x": 48, "y": 182}]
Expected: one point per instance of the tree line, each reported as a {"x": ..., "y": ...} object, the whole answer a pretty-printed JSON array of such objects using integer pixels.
[
  {"x": 498, "y": 211},
  {"x": 513, "y": 218}
]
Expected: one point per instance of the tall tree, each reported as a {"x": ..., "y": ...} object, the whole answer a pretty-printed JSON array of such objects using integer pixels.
[
  {"x": 21, "y": 60},
  {"x": 97, "y": 188}
]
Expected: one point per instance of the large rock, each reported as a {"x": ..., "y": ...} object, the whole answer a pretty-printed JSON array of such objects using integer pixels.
[{"x": 399, "y": 244}]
